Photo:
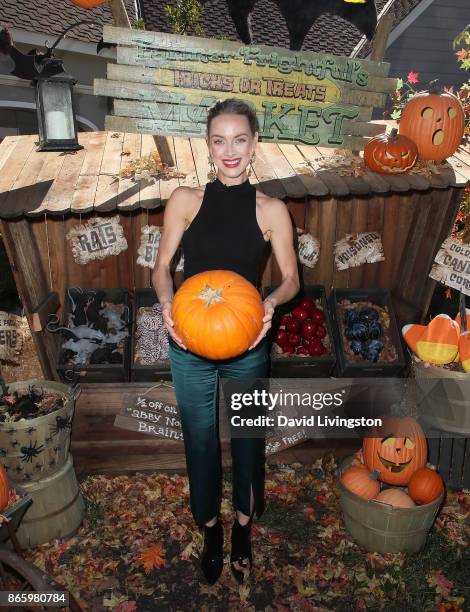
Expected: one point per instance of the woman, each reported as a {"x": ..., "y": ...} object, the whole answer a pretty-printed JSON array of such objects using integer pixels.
[{"x": 224, "y": 225}]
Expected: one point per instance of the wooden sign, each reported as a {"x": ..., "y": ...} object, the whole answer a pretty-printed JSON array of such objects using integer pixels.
[
  {"x": 164, "y": 84},
  {"x": 154, "y": 414},
  {"x": 148, "y": 249},
  {"x": 97, "y": 239},
  {"x": 11, "y": 338},
  {"x": 452, "y": 267},
  {"x": 308, "y": 248},
  {"x": 357, "y": 249}
]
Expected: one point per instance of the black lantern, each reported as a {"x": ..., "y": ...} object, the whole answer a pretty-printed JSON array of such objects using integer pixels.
[{"x": 55, "y": 111}]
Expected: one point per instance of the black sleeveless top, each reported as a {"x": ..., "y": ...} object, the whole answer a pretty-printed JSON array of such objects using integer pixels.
[{"x": 224, "y": 234}]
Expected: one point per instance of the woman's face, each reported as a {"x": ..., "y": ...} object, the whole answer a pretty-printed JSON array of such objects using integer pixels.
[{"x": 231, "y": 144}]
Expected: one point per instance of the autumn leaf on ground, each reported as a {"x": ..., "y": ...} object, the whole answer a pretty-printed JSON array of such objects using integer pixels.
[
  {"x": 442, "y": 583},
  {"x": 151, "y": 557}
]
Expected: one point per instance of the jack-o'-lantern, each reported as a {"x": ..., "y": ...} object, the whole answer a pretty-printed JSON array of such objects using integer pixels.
[
  {"x": 390, "y": 153},
  {"x": 435, "y": 122},
  {"x": 398, "y": 448},
  {"x": 89, "y": 4}
]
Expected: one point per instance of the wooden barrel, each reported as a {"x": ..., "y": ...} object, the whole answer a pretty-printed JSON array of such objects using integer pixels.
[
  {"x": 380, "y": 527},
  {"x": 443, "y": 397},
  {"x": 57, "y": 508},
  {"x": 32, "y": 449}
]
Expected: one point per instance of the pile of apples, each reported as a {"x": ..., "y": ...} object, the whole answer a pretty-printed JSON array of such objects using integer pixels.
[{"x": 302, "y": 330}]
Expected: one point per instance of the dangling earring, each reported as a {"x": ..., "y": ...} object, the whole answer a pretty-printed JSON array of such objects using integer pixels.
[
  {"x": 253, "y": 158},
  {"x": 212, "y": 174}
]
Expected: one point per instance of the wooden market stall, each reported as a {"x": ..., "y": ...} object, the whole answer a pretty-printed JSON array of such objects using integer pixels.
[{"x": 45, "y": 195}]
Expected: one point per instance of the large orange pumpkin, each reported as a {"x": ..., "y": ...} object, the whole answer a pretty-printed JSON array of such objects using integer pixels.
[
  {"x": 360, "y": 481},
  {"x": 218, "y": 314},
  {"x": 89, "y": 4},
  {"x": 435, "y": 122},
  {"x": 4, "y": 488},
  {"x": 396, "y": 498},
  {"x": 390, "y": 153},
  {"x": 398, "y": 448},
  {"x": 425, "y": 486}
]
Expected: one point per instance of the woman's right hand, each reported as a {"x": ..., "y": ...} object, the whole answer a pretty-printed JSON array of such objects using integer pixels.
[{"x": 170, "y": 326}]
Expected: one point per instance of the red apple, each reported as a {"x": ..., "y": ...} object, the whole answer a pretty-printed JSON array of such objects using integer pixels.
[
  {"x": 320, "y": 331},
  {"x": 300, "y": 313},
  {"x": 285, "y": 319},
  {"x": 294, "y": 339},
  {"x": 293, "y": 325},
  {"x": 317, "y": 315},
  {"x": 308, "y": 329},
  {"x": 316, "y": 348},
  {"x": 307, "y": 304},
  {"x": 281, "y": 337}
]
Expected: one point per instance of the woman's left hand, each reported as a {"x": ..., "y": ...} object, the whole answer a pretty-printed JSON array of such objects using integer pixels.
[{"x": 267, "y": 322}]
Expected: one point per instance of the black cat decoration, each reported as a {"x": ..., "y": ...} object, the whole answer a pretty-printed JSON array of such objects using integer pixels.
[{"x": 300, "y": 15}]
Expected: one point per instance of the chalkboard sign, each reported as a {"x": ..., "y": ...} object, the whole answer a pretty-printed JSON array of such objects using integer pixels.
[{"x": 164, "y": 84}]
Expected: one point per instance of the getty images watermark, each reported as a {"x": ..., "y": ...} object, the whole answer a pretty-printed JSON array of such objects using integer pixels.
[{"x": 263, "y": 399}]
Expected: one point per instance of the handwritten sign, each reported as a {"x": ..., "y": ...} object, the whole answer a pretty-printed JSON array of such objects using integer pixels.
[
  {"x": 148, "y": 249},
  {"x": 302, "y": 97},
  {"x": 97, "y": 239},
  {"x": 308, "y": 248},
  {"x": 11, "y": 338},
  {"x": 357, "y": 249},
  {"x": 452, "y": 267},
  {"x": 155, "y": 415}
]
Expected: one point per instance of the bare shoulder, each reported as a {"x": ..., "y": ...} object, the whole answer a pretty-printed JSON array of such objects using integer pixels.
[
  {"x": 269, "y": 206},
  {"x": 185, "y": 199}
]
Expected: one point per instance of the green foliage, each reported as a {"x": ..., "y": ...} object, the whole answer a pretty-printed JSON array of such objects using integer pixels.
[
  {"x": 184, "y": 17},
  {"x": 138, "y": 24}
]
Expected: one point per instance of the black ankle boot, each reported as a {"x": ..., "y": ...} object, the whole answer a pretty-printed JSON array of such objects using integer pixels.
[
  {"x": 241, "y": 560},
  {"x": 212, "y": 560}
]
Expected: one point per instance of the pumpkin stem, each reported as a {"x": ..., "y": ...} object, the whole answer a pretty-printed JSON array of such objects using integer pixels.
[
  {"x": 211, "y": 296},
  {"x": 434, "y": 87}
]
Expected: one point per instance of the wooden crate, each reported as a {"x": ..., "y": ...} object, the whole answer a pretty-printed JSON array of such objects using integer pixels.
[
  {"x": 103, "y": 372},
  {"x": 380, "y": 297},
  {"x": 139, "y": 372},
  {"x": 450, "y": 453},
  {"x": 296, "y": 366}
]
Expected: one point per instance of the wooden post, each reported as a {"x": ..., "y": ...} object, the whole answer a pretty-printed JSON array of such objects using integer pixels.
[
  {"x": 120, "y": 16},
  {"x": 379, "y": 42},
  {"x": 121, "y": 19}
]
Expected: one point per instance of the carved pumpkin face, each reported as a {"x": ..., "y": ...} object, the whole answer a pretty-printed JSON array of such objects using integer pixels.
[
  {"x": 399, "y": 450},
  {"x": 390, "y": 153},
  {"x": 435, "y": 122}
]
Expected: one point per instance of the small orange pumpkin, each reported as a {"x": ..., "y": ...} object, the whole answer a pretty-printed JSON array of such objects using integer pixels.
[
  {"x": 89, "y": 4},
  {"x": 390, "y": 153},
  {"x": 396, "y": 498},
  {"x": 360, "y": 481},
  {"x": 4, "y": 488},
  {"x": 218, "y": 314},
  {"x": 435, "y": 122},
  {"x": 398, "y": 450},
  {"x": 425, "y": 486}
]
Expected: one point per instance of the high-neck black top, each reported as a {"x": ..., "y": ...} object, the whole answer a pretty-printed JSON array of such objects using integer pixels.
[{"x": 224, "y": 234}]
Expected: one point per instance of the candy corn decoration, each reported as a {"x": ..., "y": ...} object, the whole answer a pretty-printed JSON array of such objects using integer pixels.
[
  {"x": 464, "y": 350},
  {"x": 437, "y": 342}
]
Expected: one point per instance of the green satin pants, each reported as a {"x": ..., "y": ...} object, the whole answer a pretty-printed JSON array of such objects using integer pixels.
[{"x": 196, "y": 384}]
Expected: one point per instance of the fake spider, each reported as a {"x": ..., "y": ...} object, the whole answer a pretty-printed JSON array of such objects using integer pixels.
[
  {"x": 28, "y": 452},
  {"x": 60, "y": 425},
  {"x": 31, "y": 430}
]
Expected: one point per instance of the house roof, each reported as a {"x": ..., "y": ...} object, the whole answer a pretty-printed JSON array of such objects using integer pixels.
[
  {"x": 53, "y": 16},
  {"x": 329, "y": 34}
]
